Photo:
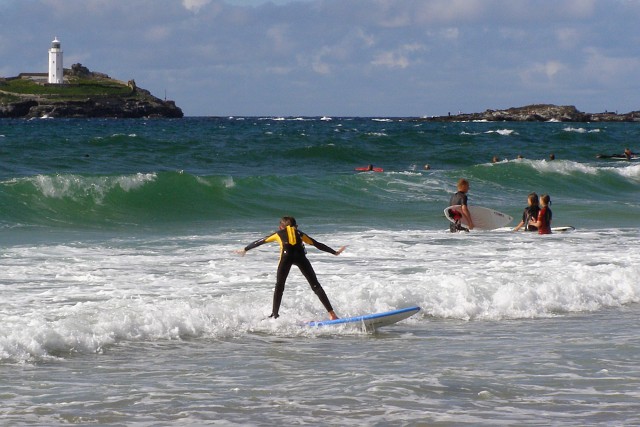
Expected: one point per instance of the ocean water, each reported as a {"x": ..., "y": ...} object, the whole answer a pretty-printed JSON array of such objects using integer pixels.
[{"x": 124, "y": 303}]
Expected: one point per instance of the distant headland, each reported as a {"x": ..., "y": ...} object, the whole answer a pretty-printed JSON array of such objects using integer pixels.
[
  {"x": 83, "y": 94},
  {"x": 537, "y": 113}
]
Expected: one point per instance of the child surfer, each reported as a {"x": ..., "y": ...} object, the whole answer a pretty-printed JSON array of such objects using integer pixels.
[
  {"x": 460, "y": 198},
  {"x": 545, "y": 215},
  {"x": 530, "y": 213},
  {"x": 292, "y": 252}
]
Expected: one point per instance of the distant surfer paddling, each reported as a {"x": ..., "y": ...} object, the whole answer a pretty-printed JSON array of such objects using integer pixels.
[
  {"x": 369, "y": 168},
  {"x": 292, "y": 252},
  {"x": 460, "y": 198},
  {"x": 627, "y": 154}
]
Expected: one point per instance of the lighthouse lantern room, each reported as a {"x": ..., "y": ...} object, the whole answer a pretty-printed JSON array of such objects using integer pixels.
[{"x": 56, "y": 73}]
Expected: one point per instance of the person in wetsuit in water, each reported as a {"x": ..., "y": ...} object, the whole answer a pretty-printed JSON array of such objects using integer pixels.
[
  {"x": 460, "y": 198},
  {"x": 292, "y": 252},
  {"x": 543, "y": 222},
  {"x": 530, "y": 214}
]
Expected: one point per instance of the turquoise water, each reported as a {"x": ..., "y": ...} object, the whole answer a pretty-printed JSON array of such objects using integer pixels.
[
  {"x": 97, "y": 174},
  {"x": 124, "y": 303}
]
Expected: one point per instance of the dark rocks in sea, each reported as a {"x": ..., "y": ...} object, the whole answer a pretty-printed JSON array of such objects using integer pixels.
[
  {"x": 93, "y": 107},
  {"x": 85, "y": 94},
  {"x": 538, "y": 113}
]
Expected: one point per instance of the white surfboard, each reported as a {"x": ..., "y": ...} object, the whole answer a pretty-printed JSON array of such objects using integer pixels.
[
  {"x": 618, "y": 157},
  {"x": 561, "y": 229},
  {"x": 483, "y": 218},
  {"x": 371, "y": 322}
]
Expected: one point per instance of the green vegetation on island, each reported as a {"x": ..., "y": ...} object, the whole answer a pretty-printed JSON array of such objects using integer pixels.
[{"x": 76, "y": 88}]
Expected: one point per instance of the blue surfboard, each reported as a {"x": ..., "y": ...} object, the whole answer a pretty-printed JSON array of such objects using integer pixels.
[{"x": 371, "y": 322}]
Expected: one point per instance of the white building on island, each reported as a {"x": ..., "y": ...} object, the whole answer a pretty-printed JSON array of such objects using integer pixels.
[{"x": 56, "y": 73}]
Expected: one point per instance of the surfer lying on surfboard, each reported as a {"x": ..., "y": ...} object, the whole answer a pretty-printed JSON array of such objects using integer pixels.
[
  {"x": 626, "y": 155},
  {"x": 292, "y": 252},
  {"x": 369, "y": 168}
]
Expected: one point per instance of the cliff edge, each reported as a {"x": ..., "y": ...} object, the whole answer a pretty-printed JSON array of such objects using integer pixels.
[{"x": 84, "y": 94}]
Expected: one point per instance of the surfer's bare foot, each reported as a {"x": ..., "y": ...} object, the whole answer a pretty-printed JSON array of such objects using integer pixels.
[{"x": 332, "y": 315}]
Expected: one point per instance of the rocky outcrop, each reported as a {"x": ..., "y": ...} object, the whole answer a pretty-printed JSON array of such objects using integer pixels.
[
  {"x": 93, "y": 108},
  {"x": 538, "y": 113},
  {"x": 17, "y": 108},
  {"x": 74, "y": 99}
]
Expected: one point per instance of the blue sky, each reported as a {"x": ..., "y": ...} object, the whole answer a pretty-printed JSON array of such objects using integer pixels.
[{"x": 342, "y": 57}]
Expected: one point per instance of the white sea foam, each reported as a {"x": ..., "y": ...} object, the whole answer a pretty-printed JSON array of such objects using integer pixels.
[
  {"x": 503, "y": 132},
  {"x": 564, "y": 167},
  {"x": 568, "y": 167},
  {"x": 630, "y": 171},
  {"x": 76, "y": 186},
  {"x": 64, "y": 299},
  {"x": 117, "y": 135},
  {"x": 580, "y": 130},
  {"x": 229, "y": 182}
]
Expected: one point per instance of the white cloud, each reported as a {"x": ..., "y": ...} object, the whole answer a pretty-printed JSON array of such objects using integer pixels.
[
  {"x": 568, "y": 38},
  {"x": 366, "y": 38},
  {"x": 398, "y": 58},
  {"x": 280, "y": 38},
  {"x": 451, "y": 11},
  {"x": 609, "y": 70},
  {"x": 318, "y": 63},
  {"x": 195, "y": 5},
  {"x": 542, "y": 73},
  {"x": 391, "y": 60},
  {"x": 251, "y": 52},
  {"x": 552, "y": 68}
]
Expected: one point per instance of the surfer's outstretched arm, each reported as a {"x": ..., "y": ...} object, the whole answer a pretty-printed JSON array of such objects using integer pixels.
[
  {"x": 325, "y": 248},
  {"x": 259, "y": 242}
]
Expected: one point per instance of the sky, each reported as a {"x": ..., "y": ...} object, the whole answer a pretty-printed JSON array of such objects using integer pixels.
[{"x": 384, "y": 58}]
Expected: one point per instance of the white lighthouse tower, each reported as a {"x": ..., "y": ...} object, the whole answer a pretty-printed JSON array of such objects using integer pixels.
[{"x": 55, "y": 63}]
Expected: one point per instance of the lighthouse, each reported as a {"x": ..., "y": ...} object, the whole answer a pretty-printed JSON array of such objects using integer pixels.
[{"x": 56, "y": 73}]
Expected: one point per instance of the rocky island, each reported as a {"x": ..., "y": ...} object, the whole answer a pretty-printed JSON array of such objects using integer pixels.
[
  {"x": 84, "y": 94},
  {"x": 537, "y": 113}
]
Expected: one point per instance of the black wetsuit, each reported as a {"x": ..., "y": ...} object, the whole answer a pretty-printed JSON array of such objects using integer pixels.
[
  {"x": 292, "y": 252},
  {"x": 460, "y": 198},
  {"x": 530, "y": 213}
]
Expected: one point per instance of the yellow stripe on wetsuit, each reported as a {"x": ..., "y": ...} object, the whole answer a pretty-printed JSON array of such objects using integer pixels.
[{"x": 291, "y": 235}]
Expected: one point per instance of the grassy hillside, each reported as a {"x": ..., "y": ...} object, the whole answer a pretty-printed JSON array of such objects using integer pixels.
[{"x": 76, "y": 88}]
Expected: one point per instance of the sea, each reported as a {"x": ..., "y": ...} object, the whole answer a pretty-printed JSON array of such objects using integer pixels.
[{"x": 123, "y": 301}]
